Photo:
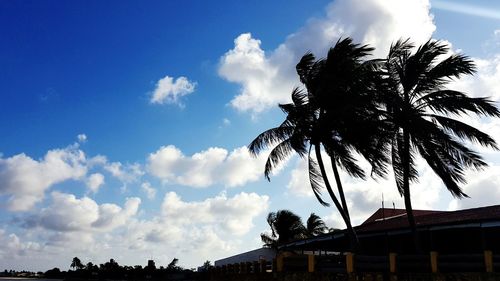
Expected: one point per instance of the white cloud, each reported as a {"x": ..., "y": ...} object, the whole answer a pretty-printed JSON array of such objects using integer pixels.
[
  {"x": 483, "y": 189},
  {"x": 150, "y": 191},
  {"x": 268, "y": 78},
  {"x": 82, "y": 138},
  {"x": 95, "y": 181},
  {"x": 66, "y": 213},
  {"x": 24, "y": 180},
  {"x": 212, "y": 166},
  {"x": 299, "y": 180},
  {"x": 126, "y": 173},
  {"x": 233, "y": 215},
  {"x": 213, "y": 227},
  {"x": 11, "y": 247},
  {"x": 170, "y": 91}
]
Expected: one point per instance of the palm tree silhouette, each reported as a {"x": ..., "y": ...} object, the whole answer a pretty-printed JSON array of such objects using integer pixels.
[
  {"x": 335, "y": 111},
  {"x": 419, "y": 109},
  {"x": 315, "y": 226},
  {"x": 285, "y": 227}
]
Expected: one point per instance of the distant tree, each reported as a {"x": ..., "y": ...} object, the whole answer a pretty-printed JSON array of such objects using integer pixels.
[
  {"x": 76, "y": 263},
  {"x": 53, "y": 273},
  {"x": 90, "y": 266},
  {"x": 206, "y": 265},
  {"x": 173, "y": 267},
  {"x": 315, "y": 226}
]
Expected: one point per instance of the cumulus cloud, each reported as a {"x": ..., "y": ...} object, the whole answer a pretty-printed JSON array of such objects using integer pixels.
[
  {"x": 234, "y": 214},
  {"x": 213, "y": 227},
  {"x": 66, "y": 213},
  {"x": 267, "y": 78},
  {"x": 212, "y": 166},
  {"x": 24, "y": 180},
  {"x": 95, "y": 181},
  {"x": 11, "y": 246},
  {"x": 170, "y": 90},
  {"x": 150, "y": 191}
]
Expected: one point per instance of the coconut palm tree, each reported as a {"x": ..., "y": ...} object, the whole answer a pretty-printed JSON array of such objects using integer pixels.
[
  {"x": 336, "y": 112},
  {"x": 421, "y": 111},
  {"x": 315, "y": 226},
  {"x": 285, "y": 227}
]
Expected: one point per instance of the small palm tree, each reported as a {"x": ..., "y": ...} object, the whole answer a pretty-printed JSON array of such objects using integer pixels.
[
  {"x": 315, "y": 226},
  {"x": 420, "y": 110},
  {"x": 285, "y": 227}
]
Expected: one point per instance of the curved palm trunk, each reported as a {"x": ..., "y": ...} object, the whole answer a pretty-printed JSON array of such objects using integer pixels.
[
  {"x": 406, "y": 190},
  {"x": 339, "y": 187},
  {"x": 353, "y": 238}
]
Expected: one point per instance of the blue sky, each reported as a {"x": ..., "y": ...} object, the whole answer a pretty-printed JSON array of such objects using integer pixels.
[{"x": 124, "y": 124}]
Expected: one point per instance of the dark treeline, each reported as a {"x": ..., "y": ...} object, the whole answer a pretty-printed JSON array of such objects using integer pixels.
[{"x": 111, "y": 270}]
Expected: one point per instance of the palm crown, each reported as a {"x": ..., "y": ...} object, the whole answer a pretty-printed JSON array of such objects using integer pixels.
[{"x": 421, "y": 113}]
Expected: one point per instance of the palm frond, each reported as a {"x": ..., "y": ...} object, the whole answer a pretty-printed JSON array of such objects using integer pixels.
[
  {"x": 304, "y": 67},
  {"x": 453, "y": 66},
  {"x": 299, "y": 97},
  {"x": 268, "y": 240},
  {"x": 270, "y": 137},
  {"x": 455, "y": 102},
  {"x": 315, "y": 225},
  {"x": 316, "y": 180},
  {"x": 279, "y": 153},
  {"x": 400, "y": 48},
  {"x": 464, "y": 131},
  {"x": 445, "y": 166}
]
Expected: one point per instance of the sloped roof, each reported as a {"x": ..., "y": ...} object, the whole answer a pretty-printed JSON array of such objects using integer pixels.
[
  {"x": 388, "y": 214},
  {"x": 385, "y": 220},
  {"x": 391, "y": 219}
]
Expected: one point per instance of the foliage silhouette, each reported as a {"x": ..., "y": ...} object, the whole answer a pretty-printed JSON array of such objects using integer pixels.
[
  {"x": 336, "y": 111},
  {"x": 420, "y": 112},
  {"x": 76, "y": 263},
  {"x": 287, "y": 227}
]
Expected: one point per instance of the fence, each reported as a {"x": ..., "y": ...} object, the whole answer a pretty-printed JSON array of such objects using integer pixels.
[{"x": 349, "y": 263}]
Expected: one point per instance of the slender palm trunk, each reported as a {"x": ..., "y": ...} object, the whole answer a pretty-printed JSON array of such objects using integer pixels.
[
  {"x": 339, "y": 186},
  {"x": 406, "y": 190},
  {"x": 350, "y": 230}
]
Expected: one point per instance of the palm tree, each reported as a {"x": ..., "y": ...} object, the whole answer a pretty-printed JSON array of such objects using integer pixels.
[
  {"x": 285, "y": 227},
  {"x": 335, "y": 111},
  {"x": 420, "y": 110},
  {"x": 315, "y": 226}
]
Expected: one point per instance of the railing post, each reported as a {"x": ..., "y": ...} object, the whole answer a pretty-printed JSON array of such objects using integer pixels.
[
  {"x": 279, "y": 263},
  {"x": 488, "y": 260},
  {"x": 349, "y": 262},
  {"x": 262, "y": 266},
  {"x": 310, "y": 263},
  {"x": 392, "y": 262},
  {"x": 255, "y": 267},
  {"x": 434, "y": 261}
]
